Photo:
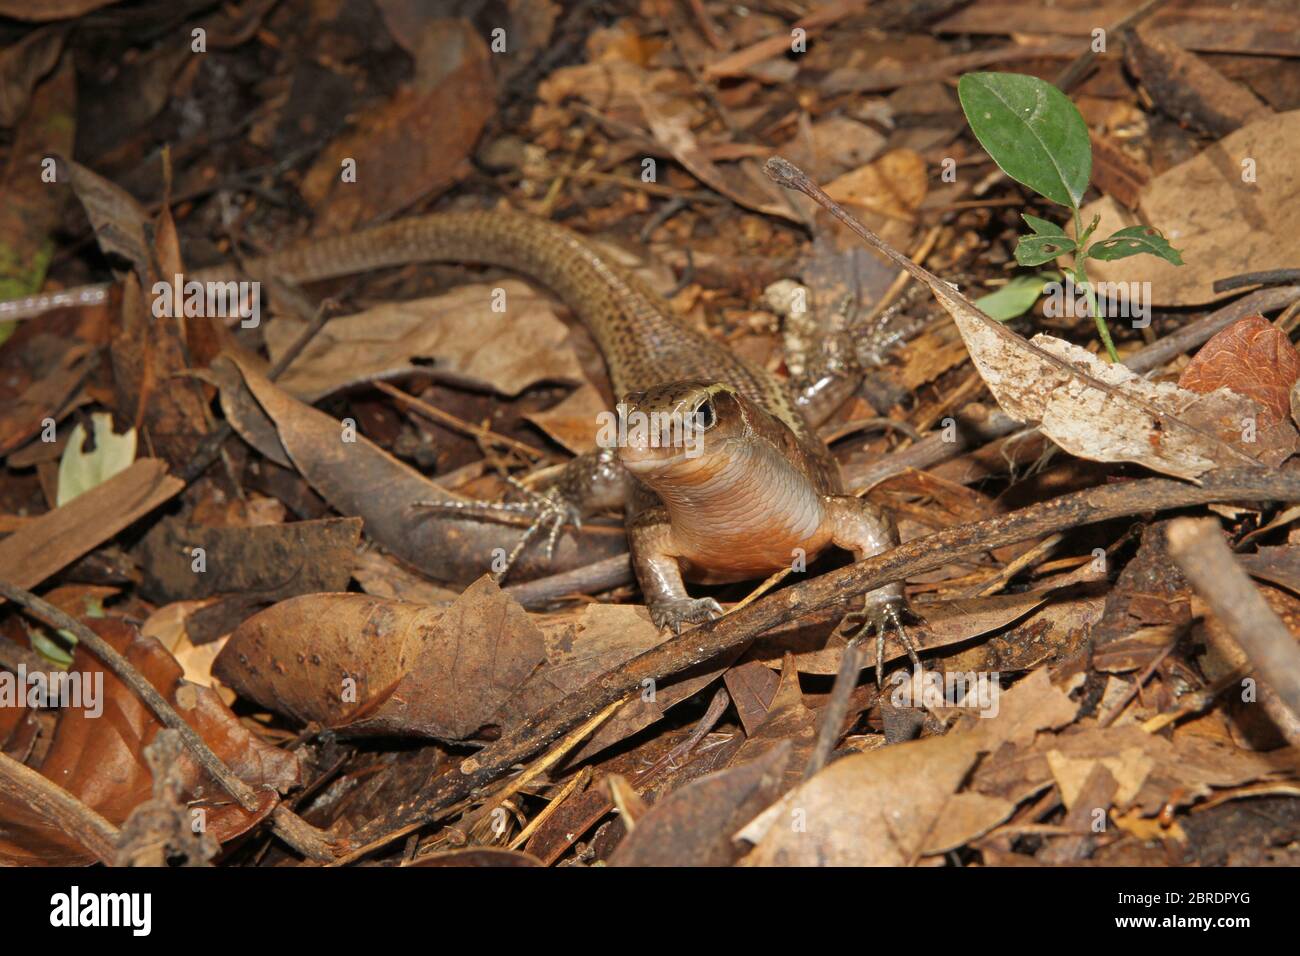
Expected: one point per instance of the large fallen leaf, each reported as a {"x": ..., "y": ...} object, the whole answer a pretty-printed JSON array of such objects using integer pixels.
[
  {"x": 413, "y": 146},
  {"x": 1105, "y": 412},
  {"x": 98, "y": 756},
  {"x": 458, "y": 337},
  {"x": 1222, "y": 224},
  {"x": 371, "y": 666},
  {"x": 359, "y": 478}
]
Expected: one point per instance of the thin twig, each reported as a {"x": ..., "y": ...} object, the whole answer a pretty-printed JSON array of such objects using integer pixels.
[
  {"x": 1202, "y": 554},
  {"x": 1267, "y": 277},
  {"x": 832, "y": 716}
]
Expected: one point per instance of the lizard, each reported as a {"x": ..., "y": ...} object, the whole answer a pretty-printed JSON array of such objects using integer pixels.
[{"x": 753, "y": 491}]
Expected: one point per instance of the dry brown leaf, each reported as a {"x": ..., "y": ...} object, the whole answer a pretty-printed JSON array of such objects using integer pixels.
[
  {"x": 1222, "y": 225},
  {"x": 1251, "y": 357},
  {"x": 885, "y": 807},
  {"x": 788, "y": 721},
  {"x": 369, "y": 666},
  {"x": 894, "y": 185},
  {"x": 693, "y": 825},
  {"x": 573, "y": 422},
  {"x": 469, "y": 342},
  {"x": 52, "y": 541},
  {"x": 752, "y": 687},
  {"x": 99, "y": 758},
  {"x": 413, "y": 146},
  {"x": 673, "y": 132},
  {"x": 871, "y": 809},
  {"x": 1182, "y": 771}
]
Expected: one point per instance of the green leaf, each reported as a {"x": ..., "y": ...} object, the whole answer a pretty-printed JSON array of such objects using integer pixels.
[
  {"x": 1133, "y": 241},
  {"x": 1035, "y": 250},
  {"x": 1041, "y": 226},
  {"x": 1016, "y": 297},
  {"x": 1031, "y": 130},
  {"x": 79, "y": 471},
  {"x": 50, "y": 649}
]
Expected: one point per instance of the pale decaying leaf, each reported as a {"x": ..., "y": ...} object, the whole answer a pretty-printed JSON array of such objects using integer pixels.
[
  {"x": 1105, "y": 412},
  {"x": 1093, "y": 409},
  {"x": 81, "y": 470}
]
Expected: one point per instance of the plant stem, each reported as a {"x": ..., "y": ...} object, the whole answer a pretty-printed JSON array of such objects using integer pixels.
[{"x": 1081, "y": 279}]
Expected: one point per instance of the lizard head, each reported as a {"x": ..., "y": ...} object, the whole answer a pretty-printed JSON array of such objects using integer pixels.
[{"x": 681, "y": 431}]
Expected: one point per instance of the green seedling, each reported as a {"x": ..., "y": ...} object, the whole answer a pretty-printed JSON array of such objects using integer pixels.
[{"x": 1037, "y": 137}]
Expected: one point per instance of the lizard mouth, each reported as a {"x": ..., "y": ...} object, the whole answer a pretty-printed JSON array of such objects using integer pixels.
[{"x": 649, "y": 460}]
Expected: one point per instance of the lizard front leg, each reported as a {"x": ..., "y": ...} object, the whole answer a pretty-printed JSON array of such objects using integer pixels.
[
  {"x": 654, "y": 559},
  {"x": 861, "y": 527}
]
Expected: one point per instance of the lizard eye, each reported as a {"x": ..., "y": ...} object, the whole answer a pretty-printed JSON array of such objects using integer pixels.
[{"x": 706, "y": 415}]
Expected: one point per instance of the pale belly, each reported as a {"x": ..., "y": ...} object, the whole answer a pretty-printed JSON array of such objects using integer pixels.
[{"x": 726, "y": 558}]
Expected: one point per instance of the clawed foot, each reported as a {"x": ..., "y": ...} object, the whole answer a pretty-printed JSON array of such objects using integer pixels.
[
  {"x": 673, "y": 614},
  {"x": 881, "y": 615},
  {"x": 549, "y": 509}
]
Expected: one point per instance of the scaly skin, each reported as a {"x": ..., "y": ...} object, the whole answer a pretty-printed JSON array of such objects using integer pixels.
[{"x": 763, "y": 485}]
